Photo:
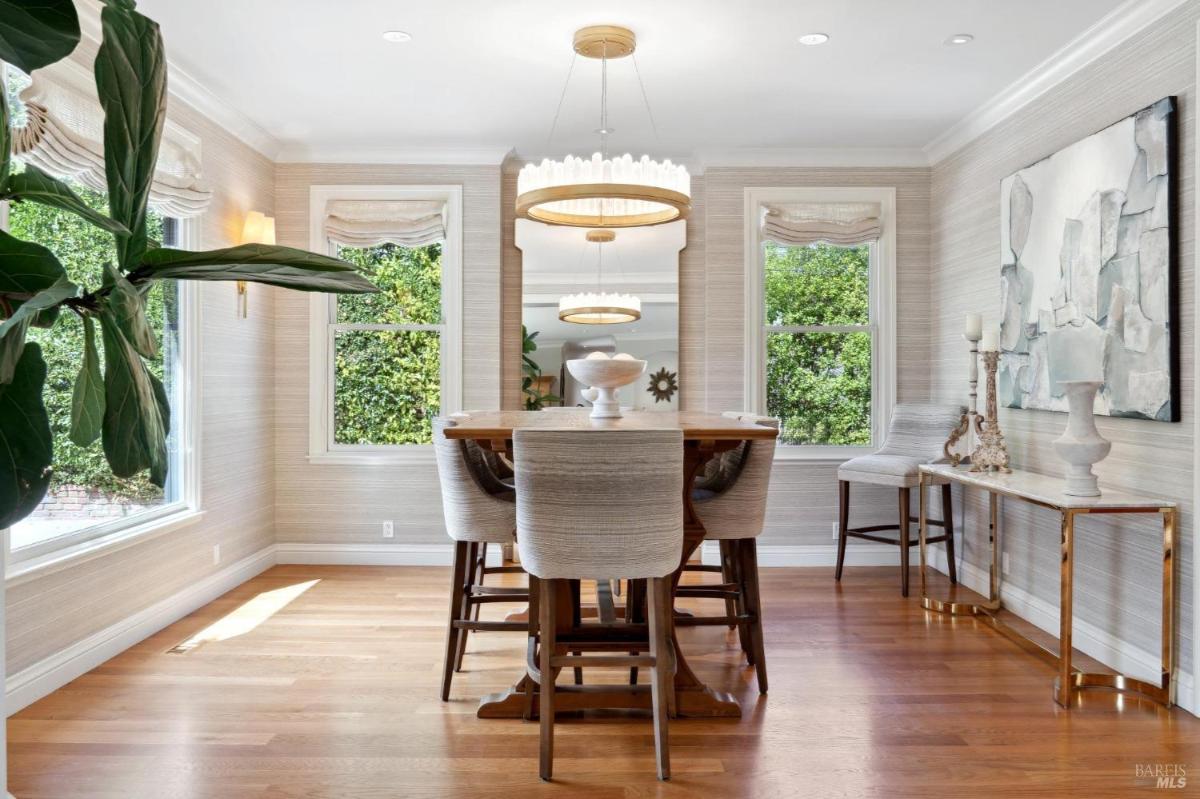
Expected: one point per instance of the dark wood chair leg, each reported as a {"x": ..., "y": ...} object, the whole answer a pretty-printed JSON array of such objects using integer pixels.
[
  {"x": 660, "y": 678},
  {"x": 904, "y": 497},
  {"x": 635, "y": 591},
  {"x": 727, "y": 576},
  {"x": 456, "y": 603},
  {"x": 482, "y": 566},
  {"x": 745, "y": 635},
  {"x": 547, "y": 617},
  {"x": 843, "y": 519},
  {"x": 468, "y": 609},
  {"x": 534, "y": 618},
  {"x": 948, "y": 520},
  {"x": 749, "y": 566}
]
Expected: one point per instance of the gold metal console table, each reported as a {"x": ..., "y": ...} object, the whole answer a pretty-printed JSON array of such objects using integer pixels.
[{"x": 1046, "y": 492}]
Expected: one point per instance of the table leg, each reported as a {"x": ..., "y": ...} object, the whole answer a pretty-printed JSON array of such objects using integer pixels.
[
  {"x": 1170, "y": 533},
  {"x": 1065, "y": 682},
  {"x": 947, "y": 606}
]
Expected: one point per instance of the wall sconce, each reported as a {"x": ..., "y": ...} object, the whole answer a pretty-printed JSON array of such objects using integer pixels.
[{"x": 258, "y": 229}]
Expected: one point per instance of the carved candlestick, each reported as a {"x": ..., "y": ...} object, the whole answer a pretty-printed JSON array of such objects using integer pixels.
[
  {"x": 969, "y": 423},
  {"x": 991, "y": 455}
]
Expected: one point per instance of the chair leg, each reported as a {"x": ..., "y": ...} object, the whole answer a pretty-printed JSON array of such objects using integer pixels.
[
  {"x": 456, "y": 601},
  {"x": 534, "y": 618},
  {"x": 843, "y": 520},
  {"x": 948, "y": 520},
  {"x": 660, "y": 609},
  {"x": 748, "y": 562},
  {"x": 745, "y": 636},
  {"x": 546, "y": 622},
  {"x": 482, "y": 565},
  {"x": 727, "y": 576},
  {"x": 634, "y": 593},
  {"x": 904, "y": 497},
  {"x": 468, "y": 609}
]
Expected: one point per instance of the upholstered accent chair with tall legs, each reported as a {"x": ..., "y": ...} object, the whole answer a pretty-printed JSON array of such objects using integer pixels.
[
  {"x": 916, "y": 436},
  {"x": 479, "y": 509},
  {"x": 731, "y": 503},
  {"x": 603, "y": 505}
]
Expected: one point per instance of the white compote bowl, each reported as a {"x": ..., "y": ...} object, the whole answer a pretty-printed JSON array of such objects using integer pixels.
[{"x": 606, "y": 375}]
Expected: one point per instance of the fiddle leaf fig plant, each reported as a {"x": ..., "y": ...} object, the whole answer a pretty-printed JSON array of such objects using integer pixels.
[{"x": 116, "y": 397}]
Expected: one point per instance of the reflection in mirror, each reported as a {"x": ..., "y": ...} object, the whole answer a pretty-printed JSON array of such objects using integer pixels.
[{"x": 560, "y": 268}]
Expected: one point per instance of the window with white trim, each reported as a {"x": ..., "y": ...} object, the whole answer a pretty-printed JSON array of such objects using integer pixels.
[
  {"x": 86, "y": 502},
  {"x": 820, "y": 316},
  {"x": 383, "y": 365}
]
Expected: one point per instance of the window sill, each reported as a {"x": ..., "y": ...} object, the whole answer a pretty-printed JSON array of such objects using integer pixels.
[
  {"x": 818, "y": 456},
  {"x": 23, "y": 571},
  {"x": 406, "y": 455}
]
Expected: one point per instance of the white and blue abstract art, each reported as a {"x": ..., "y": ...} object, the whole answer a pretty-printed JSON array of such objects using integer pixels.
[{"x": 1086, "y": 243}]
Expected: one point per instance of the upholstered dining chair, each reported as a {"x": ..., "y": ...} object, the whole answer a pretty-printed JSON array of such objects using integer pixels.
[
  {"x": 607, "y": 505},
  {"x": 479, "y": 509},
  {"x": 916, "y": 436},
  {"x": 731, "y": 503}
]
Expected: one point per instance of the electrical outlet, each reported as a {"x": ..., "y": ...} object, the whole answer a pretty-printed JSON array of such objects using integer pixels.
[
  {"x": 216, "y": 554},
  {"x": 1004, "y": 564},
  {"x": 389, "y": 529},
  {"x": 835, "y": 531}
]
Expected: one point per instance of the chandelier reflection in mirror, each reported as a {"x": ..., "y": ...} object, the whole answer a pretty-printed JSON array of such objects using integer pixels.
[
  {"x": 604, "y": 192},
  {"x": 599, "y": 307}
]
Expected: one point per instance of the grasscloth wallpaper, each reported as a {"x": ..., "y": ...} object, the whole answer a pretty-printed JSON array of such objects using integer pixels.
[
  {"x": 1118, "y": 562},
  {"x": 49, "y": 613}
]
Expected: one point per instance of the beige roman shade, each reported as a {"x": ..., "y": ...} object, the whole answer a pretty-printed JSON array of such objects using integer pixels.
[
  {"x": 369, "y": 223},
  {"x": 801, "y": 224},
  {"x": 64, "y": 136}
]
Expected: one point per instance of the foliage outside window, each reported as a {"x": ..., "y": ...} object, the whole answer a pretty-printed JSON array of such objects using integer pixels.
[
  {"x": 819, "y": 342},
  {"x": 387, "y": 348}
]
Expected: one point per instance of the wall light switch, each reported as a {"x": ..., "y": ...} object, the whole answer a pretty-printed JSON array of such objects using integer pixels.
[
  {"x": 1004, "y": 564},
  {"x": 216, "y": 554},
  {"x": 835, "y": 531},
  {"x": 389, "y": 529}
]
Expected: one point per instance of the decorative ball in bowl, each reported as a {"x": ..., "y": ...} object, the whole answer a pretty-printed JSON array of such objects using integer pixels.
[{"x": 606, "y": 375}]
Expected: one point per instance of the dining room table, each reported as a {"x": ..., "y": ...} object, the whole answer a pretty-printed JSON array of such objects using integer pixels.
[{"x": 705, "y": 435}]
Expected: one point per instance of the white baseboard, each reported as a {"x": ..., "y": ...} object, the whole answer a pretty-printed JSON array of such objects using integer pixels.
[
  {"x": 1087, "y": 638},
  {"x": 33, "y": 682},
  {"x": 773, "y": 555},
  {"x": 373, "y": 554}
]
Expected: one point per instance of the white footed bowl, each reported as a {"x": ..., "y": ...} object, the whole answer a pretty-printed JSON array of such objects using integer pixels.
[{"x": 605, "y": 376}]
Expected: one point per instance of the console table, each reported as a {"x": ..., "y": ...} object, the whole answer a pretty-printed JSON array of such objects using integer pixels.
[{"x": 1047, "y": 492}]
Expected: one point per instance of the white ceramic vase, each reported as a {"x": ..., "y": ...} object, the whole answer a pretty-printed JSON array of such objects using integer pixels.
[
  {"x": 605, "y": 376},
  {"x": 1081, "y": 445}
]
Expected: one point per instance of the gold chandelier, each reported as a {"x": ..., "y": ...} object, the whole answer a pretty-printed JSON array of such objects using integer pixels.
[
  {"x": 604, "y": 192},
  {"x": 600, "y": 307}
]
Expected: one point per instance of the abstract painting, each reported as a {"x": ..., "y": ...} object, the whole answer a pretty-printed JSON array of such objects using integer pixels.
[{"x": 1086, "y": 242}]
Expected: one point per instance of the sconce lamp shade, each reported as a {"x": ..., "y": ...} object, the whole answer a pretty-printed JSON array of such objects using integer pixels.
[{"x": 258, "y": 229}]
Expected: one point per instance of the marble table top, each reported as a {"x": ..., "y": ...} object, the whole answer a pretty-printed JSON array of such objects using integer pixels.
[{"x": 1045, "y": 489}]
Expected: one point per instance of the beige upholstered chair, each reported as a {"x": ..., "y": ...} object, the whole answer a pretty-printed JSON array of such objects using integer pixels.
[
  {"x": 479, "y": 509},
  {"x": 732, "y": 506},
  {"x": 916, "y": 436},
  {"x": 599, "y": 504}
]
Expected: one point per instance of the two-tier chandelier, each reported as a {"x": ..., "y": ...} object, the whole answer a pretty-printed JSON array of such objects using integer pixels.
[
  {"x": 604, "y": 192},
  {"x": 600, "y": 307}
]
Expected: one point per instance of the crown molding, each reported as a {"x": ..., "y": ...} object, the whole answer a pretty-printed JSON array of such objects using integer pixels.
[
  {"x": 302, "y": 153},
  {"x": 812, "y": 157},
  {"x": 185, "y": 88},
  {"x": 1111, "y": 30}
]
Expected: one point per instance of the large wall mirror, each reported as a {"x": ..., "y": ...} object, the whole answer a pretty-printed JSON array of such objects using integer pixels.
[{"x": 560, "y": 262}]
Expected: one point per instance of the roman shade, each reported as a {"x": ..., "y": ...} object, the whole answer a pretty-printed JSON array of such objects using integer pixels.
[
  {"x": 801, "y": 224},
  {"x": 369, "y": 223},
  {"x": 64, "y": 136}
]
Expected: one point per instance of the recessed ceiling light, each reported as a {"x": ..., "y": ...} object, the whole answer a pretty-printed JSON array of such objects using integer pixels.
[
  {"x": 960, "y": 38},
  {"x": 814, "y": 38},
  {"x": 397, "y": 36}
]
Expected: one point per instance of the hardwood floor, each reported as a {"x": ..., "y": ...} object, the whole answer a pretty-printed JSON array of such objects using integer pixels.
[{"x": 325, "y": 686}]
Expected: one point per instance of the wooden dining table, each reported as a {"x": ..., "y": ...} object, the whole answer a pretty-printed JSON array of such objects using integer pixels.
[{"x": 704, "y": 436}]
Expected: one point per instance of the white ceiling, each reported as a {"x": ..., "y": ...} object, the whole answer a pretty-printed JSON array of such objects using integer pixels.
[{"x": 720, "y": 75}]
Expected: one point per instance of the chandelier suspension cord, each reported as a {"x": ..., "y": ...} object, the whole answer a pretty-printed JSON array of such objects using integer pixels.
[
  {"x": 646, "y": 100},
  {"x": 604, "y": 100},
  {"x": 561, "y": 97}
]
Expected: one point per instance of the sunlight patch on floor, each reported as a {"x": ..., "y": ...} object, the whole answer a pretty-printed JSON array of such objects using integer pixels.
[{"x": 246, "y": 618}]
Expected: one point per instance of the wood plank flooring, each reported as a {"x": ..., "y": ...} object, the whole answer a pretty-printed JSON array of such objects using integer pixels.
[{"x": 330, "y": 691}]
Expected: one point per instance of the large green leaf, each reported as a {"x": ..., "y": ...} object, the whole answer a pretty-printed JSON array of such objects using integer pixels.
[
  {"x": 26, "y": 268},
  {"x": 5, "y": 137},
  {"x": 87, "y": 401},
  {"x": 36, "y": 186},
  {"x": 131, "y": 78},
  {"x": 12, "y": 344},
  {"x": 134, "y": 429},
  {"x": 45, "y": 299},
  {"x": 127, "y": 307},
  {"x": 26, "y": 446},
  {"x": 258, "y": 263},
  {"x": 36, "y": 33}
]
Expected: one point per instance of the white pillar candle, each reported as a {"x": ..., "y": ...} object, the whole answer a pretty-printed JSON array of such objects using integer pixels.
[
  {"x": 974, "y": 328},
  {"x": 991, "y": 339}
]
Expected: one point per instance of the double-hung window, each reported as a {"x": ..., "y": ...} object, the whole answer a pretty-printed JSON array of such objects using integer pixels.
[
  {"x": 383, "y": 365},
  {"x": 820, "y": 340},
  {"x": 86, "y": 505}
]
